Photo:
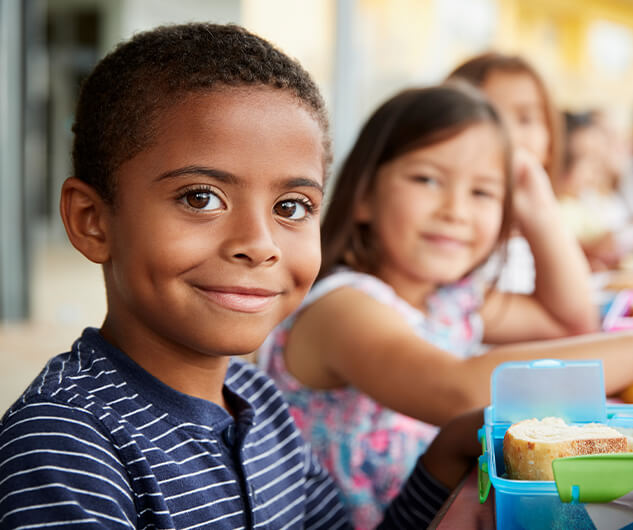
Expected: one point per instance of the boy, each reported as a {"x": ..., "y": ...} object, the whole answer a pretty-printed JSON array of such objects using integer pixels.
[{"x": 200, "y": 157}]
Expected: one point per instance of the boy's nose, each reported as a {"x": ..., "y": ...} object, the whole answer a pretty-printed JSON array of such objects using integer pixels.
[{"x": 250, "y": 241}]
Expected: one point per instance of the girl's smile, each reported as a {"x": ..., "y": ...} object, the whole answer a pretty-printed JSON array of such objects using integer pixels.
[{"x": 445, "y": 243}]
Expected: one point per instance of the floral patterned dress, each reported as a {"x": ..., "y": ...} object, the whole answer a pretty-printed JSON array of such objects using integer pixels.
[{"x": 368, "y": 448}]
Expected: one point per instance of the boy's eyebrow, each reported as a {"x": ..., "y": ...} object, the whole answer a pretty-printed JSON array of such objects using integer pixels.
[
  {"x": 300, "y": 182},
  {"x": 206, "y": 171},
  {"x": 224, "y": 176}
]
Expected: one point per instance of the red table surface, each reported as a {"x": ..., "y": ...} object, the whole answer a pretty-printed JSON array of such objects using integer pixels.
[{"x": 463, "y": 511}]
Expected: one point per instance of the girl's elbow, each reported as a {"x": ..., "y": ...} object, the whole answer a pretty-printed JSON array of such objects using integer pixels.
[
  {"x": 589, "y": 327},
  {"x": 579, "y": 322},
  {"x": 587, "y": 323}
]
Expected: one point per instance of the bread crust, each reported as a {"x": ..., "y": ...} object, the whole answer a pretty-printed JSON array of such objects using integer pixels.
[{"x": 529, "y": 446}]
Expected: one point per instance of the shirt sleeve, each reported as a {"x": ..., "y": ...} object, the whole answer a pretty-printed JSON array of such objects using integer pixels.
[
  {"x": 58, "y": 468},
  {"x": 417, "y": 503},
  {"x": 323, "y": 504}
]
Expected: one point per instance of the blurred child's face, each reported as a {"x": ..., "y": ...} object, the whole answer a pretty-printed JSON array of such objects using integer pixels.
[
  {"x": 215, "y": 229},
  {"x": 520, "y": 102},
  {"x": 587, "y": 169},
  {"x": 437, "y": 210}
]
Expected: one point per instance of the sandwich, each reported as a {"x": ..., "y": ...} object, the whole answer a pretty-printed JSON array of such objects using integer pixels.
[{"x": 530, "y": 446}]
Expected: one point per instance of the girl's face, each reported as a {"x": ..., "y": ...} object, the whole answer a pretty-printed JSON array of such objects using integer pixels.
[
  {"x": 520, "y": 102},
  {"x": 436, "y": 211}
]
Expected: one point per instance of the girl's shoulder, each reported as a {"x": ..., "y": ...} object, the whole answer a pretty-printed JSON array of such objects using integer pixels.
[
  {"x": 270, "y": 354},
  {"x": 462, "y": 297},
  {"x": 346, "y": 277}
]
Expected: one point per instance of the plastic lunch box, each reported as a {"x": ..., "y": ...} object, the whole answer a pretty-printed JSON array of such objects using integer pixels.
[{"x": 574, "y": 391}]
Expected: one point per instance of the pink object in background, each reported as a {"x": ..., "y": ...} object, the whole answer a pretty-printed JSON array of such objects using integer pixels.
[{"x": 620, "y": 314}]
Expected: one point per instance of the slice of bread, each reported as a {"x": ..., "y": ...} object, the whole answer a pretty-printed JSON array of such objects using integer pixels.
[{"x": 529, "y": 446}]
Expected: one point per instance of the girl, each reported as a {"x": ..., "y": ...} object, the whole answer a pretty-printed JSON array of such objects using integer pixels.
[
  {"x": 521, "y": 97},
  {"x": 386, "y": 336}
]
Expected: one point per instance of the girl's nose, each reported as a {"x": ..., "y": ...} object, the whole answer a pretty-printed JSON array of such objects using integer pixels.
[
  {"x": 250, "y": 241},
  {"x": 454, "y": 205}
]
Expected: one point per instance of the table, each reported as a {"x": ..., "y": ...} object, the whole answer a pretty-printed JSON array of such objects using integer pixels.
[{"x": 463, "y": 511}]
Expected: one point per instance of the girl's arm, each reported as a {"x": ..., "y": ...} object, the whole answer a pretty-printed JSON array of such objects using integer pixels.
[
  {"x": 562, "y": 301},
  {"x": 349, "y": 338}
]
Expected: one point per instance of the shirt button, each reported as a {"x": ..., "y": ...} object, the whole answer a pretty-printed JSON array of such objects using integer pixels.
[
  {"x": 229, "y": 435},
  {"x": 253, "y": 494}
]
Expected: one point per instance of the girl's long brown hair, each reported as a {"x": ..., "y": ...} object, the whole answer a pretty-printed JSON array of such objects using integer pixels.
[{"x": 411, "y": 119}]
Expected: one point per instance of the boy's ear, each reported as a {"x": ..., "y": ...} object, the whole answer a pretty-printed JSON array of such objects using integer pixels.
[{"x": 84, "y": 214}]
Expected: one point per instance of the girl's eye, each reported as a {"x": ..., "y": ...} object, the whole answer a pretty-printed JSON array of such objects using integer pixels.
[
  {"x": 529, "y": 118},
  {"x": 293, "y": 209},
  {"x": 484, "y": 193},
  {"x": 425, "y": 179},
  {"x": 202, "y": 200}
]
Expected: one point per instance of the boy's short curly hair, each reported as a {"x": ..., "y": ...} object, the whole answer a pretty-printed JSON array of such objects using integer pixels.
[{"x": 120, "y": 101}]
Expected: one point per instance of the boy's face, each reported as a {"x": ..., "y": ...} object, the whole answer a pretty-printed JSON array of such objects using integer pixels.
[{"x": 214, "y": 237}]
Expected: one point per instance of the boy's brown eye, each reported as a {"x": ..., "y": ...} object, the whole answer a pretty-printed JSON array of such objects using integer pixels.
[
  {"x": 198, "y": 199},
  {"x": 285, "y": 208},
  {"x": 291, "y": 209},
  {"x": 202, "y": 200}
]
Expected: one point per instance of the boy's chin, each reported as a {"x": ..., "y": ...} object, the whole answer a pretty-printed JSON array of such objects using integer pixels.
[{"x": 237, "y": 347}]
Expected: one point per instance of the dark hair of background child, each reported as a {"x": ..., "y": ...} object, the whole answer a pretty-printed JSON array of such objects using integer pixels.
[
  {"x": 122, "y": 99},
  {"x": 477, "y": 70},
  {"x": 410, "y": 120},
  {"x": 574, "y": 121}
]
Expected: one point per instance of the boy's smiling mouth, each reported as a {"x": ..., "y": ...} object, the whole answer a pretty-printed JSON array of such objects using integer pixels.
[{"x": 241, "y": 299}]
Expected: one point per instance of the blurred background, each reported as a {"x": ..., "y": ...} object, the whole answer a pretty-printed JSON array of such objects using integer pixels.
[{"x": 359, "y": 52}]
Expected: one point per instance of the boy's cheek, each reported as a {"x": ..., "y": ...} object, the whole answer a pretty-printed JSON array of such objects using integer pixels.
[{"x": 308, "y": 262}]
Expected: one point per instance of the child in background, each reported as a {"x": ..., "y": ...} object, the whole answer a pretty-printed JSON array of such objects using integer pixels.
[
  {"x": 617, "y": 129},
  {"x": 519, "y": 93},
  {"x": 521, "y": 96},
  {"x": 589, "y": 194},
  {"x": 200, "y": 156},
  {"x": 385, "y": 339}
]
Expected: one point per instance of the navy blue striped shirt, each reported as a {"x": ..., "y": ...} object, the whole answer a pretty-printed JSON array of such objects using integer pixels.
[{"x": 96, "y": 441}]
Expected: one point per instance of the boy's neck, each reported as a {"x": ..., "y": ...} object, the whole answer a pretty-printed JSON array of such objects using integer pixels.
[{"x": 189, "y": 372}]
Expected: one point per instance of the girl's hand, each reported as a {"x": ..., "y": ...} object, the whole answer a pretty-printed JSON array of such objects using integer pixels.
[
  {"x": 533, "y": 193},
  {"x": 562, "y": 301}
]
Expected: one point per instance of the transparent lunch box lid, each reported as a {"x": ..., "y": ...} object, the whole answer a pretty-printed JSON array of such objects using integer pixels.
[{"x": 572, "y": 390}]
